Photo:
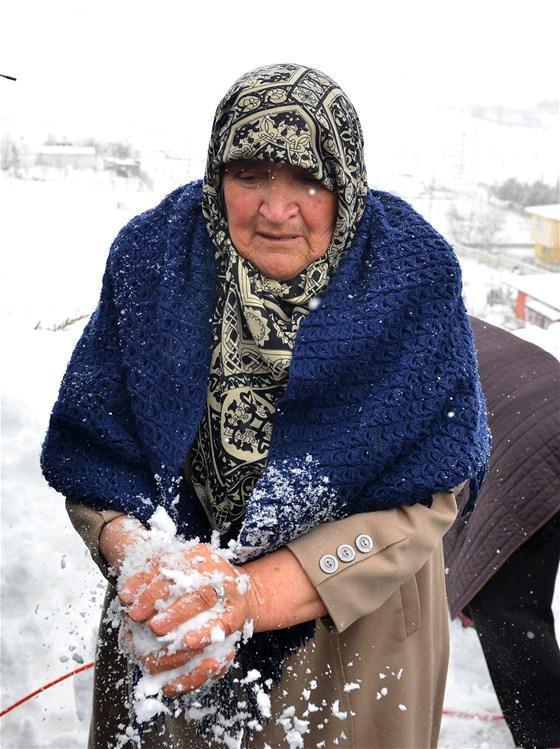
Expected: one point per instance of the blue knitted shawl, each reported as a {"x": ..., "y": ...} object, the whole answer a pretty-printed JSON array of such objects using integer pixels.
[
  {"x": 383, "y": 405},
  {"x": 382, "y": 408}
]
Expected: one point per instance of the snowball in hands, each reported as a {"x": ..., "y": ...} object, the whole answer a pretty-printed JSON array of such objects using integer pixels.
[{"x": 172, "y": 624}]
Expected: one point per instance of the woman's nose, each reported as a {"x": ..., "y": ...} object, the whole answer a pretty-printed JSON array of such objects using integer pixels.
[{"x": 278, "y": 202}]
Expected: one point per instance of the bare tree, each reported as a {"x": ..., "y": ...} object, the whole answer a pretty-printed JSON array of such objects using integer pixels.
[
  {"x": 9, "y": 154},
  {"x": 476, "y": 228}
]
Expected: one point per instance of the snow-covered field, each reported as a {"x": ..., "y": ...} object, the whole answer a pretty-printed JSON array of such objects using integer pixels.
[{"x": 55, "y": 237}]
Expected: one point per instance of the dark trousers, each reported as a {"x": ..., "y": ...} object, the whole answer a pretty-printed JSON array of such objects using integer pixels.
[{"x": 515, "y": 625}]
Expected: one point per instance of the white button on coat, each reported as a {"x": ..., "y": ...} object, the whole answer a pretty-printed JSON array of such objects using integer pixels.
[
  {"x": 364, "y": 543},
  {"x": 328, "y": 564},
  {"x": 345, "y": 553}
]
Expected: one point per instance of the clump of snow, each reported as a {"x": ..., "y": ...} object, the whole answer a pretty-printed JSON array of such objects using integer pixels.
[
  {"x": 337, "y": 712},
  {"x": 294, "y": 728},
  {"x": 290, "y": 498},
  {"x": 252, "y": 675},
  {"x": 264, "y": 705},
  {"x": 248, "y": 629},
  {"x": 161, "y": 521},
  {"x": 217, "y": 634}
]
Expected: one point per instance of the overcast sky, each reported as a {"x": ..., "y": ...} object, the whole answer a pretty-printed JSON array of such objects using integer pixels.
[{"x": 127, "y": 67}]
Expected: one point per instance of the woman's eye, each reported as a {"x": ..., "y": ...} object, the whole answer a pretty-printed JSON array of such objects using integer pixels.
[{"x": 249, "y": 176}]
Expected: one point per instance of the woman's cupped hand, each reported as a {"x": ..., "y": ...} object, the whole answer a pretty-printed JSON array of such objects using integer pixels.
[{"x": 185, "y": 610}]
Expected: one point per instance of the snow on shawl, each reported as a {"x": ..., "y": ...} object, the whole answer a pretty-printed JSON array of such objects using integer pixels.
[{"x": 383, "y": 405}]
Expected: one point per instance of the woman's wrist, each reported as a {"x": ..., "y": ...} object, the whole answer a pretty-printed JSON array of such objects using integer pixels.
[
  {"x": 116, "y": 537},
  {"x": 256, "y": 599},
  {"x": 281, "y": 593}
]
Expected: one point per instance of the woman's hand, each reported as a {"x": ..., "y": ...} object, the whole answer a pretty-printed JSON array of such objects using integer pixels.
[
  {"x": 196, "y": 603},
  {"x": 270, "y": 593}
]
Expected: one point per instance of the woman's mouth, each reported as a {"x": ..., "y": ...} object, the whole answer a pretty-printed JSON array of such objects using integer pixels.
[{"x": 278, "y": 237}]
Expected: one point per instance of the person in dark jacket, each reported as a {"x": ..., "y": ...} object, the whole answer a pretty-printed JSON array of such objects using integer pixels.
[{"x": 503, "y": 559}]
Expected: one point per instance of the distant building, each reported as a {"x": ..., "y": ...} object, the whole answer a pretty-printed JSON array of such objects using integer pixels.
[
  {"x": 123, "y": 167},
  {"x": 76, "y": 157},
  {"x": 537, "y": 298},
  {"x": 545, "y": 232}
]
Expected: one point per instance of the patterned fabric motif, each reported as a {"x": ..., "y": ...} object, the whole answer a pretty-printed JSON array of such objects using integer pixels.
[{"x": 299, "y": 116}]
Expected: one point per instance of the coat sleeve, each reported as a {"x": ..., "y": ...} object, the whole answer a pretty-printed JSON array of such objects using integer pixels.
[{"x": 402, "y": 540}]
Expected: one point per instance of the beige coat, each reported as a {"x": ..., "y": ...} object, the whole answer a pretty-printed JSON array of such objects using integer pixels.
[{"x": 381, "y": 654}]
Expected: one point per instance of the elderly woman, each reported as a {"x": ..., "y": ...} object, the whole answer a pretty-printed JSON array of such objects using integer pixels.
[{"x": 280, "y": 357}]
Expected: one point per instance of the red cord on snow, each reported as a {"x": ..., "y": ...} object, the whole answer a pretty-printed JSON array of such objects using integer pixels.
[
  {"x": 46, "y": 686},
  {"x": 451, "y": 713},
  {"x": 478, "y": 716}
]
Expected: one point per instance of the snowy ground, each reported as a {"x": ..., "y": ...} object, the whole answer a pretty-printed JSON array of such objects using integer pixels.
[{"x": 55, "y": 237}]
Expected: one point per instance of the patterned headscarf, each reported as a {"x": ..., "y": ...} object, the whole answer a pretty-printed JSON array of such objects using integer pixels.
[{"x": 286, "y": 114}]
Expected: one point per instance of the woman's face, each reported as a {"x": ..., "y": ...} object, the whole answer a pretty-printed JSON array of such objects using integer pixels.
[{"x": 279, "y": 217}]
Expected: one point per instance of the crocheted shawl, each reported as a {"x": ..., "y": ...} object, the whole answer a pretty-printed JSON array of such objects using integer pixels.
[{"x": 383, "y": 405}]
